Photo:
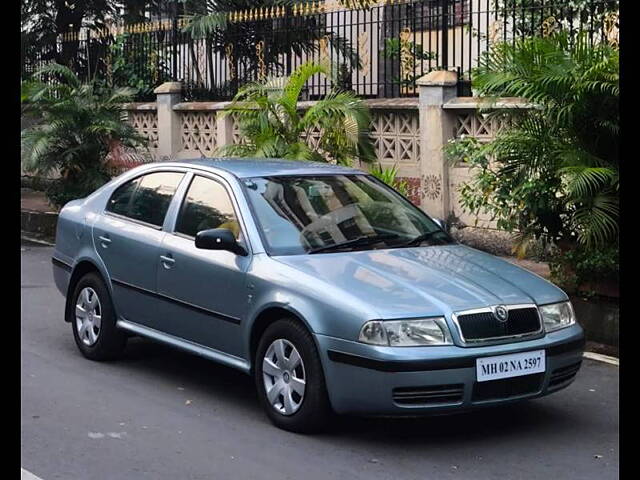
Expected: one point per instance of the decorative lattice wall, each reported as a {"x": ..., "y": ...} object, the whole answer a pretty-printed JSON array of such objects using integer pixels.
[
  {"x": 198, "y": 133},
  {"x": 235, "y": 129},
  {"x": 146, "y": 123},
  {"x": 396, "y": 135},
  {"x": 484, "y": 127}
]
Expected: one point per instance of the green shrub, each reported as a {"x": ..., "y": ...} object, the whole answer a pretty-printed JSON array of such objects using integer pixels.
[
  {"x": 141, "y": 68},
  {"x": 578, "y": 270},
  {"x": 78, "y": 127},
  {"x": 553, "y": 174},
  {"x": 389, "y": 176},
  {"x": 273, "y": 126}
]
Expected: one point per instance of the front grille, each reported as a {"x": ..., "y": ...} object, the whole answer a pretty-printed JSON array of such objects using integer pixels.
[
  {"x": 435, "y": 394},
  {"x": 484, "y": 325},
  {"x": 507, "y": 387},
  {"x": 564, "y": 374}
]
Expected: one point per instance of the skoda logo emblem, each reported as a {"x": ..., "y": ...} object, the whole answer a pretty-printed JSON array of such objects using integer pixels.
[{"x": 501, "y": 313}]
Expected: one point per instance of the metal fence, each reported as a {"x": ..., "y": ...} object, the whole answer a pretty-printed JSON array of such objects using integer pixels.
[{"x": 378, "y": 52}]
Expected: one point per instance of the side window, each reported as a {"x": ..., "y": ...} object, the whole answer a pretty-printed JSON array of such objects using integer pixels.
[
  {"x": 121, "y": 198},
  {"x": 146, "y": 198},
  {"x": 206, "y": 205}
]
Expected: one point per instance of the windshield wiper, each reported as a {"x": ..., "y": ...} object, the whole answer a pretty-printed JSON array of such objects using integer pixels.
[
  {"x": 356, "y": 242},
  {"x": 419, "y": 239}
]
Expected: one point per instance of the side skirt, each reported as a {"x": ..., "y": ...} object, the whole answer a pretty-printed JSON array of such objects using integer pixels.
[{"x": 197, "y": 349}]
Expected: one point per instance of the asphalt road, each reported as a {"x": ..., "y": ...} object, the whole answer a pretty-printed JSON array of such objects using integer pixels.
[{"x": 163, "y": 414}]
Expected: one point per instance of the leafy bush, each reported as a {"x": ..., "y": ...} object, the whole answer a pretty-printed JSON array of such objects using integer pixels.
[
  {"x": 578, "y": 270},
  {"x": 465, "y": 149},
  {"x": 554, "y": 171},
  {"x": 552, "y": 174},
  {"x": 140, "y": 68},
  {"x": 78, "y": 128},
  {"x": 389, "y": 176},
  {"x": 273, "y": 126}
]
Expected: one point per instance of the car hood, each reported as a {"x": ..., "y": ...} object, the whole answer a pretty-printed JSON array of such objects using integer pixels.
[{"x": 432, "y": 280}]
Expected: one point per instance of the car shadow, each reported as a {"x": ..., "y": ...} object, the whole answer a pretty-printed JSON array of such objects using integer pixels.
[
  {"x": 218, "y": 384},
  {"x": 197, "y": 374}
]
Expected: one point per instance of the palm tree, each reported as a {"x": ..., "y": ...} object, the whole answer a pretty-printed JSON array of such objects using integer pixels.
[
  {"x": 274, "y": 126},
  {"x": 554, "y": 171},
  {"x": 79, "y": 130}
]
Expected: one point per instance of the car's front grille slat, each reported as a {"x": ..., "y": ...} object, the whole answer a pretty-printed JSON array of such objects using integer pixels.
[
  {"x": 437, "y": 394},
  {"x": 564, "y": 374},
  {"x": 481, "y": 326}
]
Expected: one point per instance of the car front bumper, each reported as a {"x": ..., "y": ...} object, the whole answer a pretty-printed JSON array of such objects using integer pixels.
[{"x": 366, "y": 379}]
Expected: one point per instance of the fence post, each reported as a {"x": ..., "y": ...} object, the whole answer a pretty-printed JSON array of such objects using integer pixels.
[
  {"x": 167, "y": 95},
  {"x": 445, "y": 33},
  {"x": 436, "y": 128},
  {"x": 174, "y": 41}
]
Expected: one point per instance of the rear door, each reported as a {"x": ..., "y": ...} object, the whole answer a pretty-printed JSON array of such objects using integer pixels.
[
  {"x": 128, "y": 236},
  {"x": 206, "y": 287}
]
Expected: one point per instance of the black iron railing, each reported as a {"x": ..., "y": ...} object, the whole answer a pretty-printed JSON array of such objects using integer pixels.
[{"x": 376, "y": 52}]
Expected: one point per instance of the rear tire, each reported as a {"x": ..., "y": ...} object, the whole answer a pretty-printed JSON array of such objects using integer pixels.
[
  {"x": 93, "y": 320},
  {"x": 297, "y": 400}
]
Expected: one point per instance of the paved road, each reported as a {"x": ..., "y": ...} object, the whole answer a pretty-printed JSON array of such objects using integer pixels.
[{"x": 163, "y": 414}]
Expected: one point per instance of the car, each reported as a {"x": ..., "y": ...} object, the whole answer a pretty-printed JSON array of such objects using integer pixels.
[{"x": 331, "y": 289}]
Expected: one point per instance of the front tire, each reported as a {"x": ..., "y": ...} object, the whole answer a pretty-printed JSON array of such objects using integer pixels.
[
  {"x": 93, "y": 320},
  {"x": 289, "y": 378}
]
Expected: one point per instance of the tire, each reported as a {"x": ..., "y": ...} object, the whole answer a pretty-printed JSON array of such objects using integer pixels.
[
  {"x": 100, "y": 340},
  {"x": 309, "y": 413}
]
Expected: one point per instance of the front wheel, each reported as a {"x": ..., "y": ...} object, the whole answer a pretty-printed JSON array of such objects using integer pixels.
[{"x": 289, "y": 378}]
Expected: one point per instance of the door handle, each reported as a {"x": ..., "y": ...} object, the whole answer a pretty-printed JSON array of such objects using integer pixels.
[
  {"x": 104, "y": 240},
  {"x": 167, "y": 261}
]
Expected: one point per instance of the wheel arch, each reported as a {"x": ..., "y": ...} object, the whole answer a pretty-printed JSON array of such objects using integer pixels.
[{"x": 266, "y": 317}]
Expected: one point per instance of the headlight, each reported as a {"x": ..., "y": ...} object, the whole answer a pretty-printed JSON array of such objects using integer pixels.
[
  {"x": 558, "y": 315},
  {"x": 406, "y": 333}
]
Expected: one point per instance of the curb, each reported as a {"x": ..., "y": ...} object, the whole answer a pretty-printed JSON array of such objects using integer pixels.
[
  {"x": 598, "y": 357},
  {"x": 39, "y": 223},
  {"x": 39, "y": 241}
]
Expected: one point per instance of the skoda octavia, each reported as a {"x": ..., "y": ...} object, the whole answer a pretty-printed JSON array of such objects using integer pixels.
[{"x": 332, "y": 290}]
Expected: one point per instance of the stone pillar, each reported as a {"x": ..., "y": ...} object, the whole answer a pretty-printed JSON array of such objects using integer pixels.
[
  {"x": 436, "y": 128},
  {"x": 169, "y": 142},
  {"x": 224, "y": 129}
]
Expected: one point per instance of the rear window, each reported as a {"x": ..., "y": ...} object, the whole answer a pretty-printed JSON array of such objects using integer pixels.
[{"x": 146, "y": 198}]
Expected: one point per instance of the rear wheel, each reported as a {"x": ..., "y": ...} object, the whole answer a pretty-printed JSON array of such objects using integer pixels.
[
  {"x": 289, "y": 378},
  {"x": 93, "y": 320}
]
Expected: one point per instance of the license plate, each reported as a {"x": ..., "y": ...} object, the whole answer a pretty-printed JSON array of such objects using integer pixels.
[{"x": 512, "y": 365}]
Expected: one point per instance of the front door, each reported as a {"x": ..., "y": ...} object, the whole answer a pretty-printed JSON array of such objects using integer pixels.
[{"x": 205, "y": 289}]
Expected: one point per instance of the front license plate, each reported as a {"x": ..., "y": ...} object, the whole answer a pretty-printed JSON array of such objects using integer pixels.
[{"x": 512, "y": 365}]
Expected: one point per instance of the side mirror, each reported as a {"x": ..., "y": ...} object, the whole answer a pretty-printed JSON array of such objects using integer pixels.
[
  {"x": 442, "y": 224},
  {"x": 219, "y": 239}
]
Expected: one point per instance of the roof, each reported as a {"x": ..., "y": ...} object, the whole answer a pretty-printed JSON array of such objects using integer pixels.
[{"x": 259, "y": 167}]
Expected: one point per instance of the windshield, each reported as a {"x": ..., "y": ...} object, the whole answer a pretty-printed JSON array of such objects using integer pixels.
[{"x": 325, "y": 213}]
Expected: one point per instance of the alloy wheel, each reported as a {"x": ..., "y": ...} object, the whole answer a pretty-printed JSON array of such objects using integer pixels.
[
  {"x": 284, "y": 376},
  {"x": 88, "y": 316}
]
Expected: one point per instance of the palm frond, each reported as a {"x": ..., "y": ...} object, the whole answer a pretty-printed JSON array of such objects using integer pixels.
[
  {"x": 269, "y": 116},
  {"x": 296, "y": 82},
  {"x": 64, "y": 73},
  {"x": 201, "y": 26}
]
